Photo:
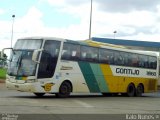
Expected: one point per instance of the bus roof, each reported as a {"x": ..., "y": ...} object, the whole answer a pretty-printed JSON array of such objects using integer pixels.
[
  {"x": 119, "y": 48},
  {"x": 95, "y": 44},
  {"x": 41, "y": 37}
]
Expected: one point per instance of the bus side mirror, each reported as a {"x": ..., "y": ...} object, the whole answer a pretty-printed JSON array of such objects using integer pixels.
[
  {"x": 2, "y": 57},
  {"x": 36, "y": 54},
  {"x": 2, "y": 53}
]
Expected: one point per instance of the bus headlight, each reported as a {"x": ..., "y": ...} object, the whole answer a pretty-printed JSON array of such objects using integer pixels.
[{"x": 30, "y": 80}]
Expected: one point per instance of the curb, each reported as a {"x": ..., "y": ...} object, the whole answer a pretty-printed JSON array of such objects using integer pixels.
[{"x": 2, "y": 81}]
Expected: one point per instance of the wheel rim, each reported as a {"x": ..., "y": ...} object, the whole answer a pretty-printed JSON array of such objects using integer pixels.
[
  {"x": 65, "y": 90},
  {"x": 139, "y": 90}
]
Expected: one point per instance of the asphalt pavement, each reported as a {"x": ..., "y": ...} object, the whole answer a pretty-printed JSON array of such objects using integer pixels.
[{"x": 15, "y": 102}]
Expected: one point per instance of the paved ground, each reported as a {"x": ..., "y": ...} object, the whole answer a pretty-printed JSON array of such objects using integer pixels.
[
  {"x": 26, "y": 103},
  {"x": 16, "y": 105}
]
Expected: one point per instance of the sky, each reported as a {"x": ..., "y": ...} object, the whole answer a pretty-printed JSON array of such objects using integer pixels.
[{"x": 132, "y": 19}]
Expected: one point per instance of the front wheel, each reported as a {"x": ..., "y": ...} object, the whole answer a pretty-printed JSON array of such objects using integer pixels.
[{"x": 64, "y": 90}]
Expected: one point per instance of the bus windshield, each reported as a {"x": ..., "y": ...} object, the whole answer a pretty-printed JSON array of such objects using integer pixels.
[
  {"x": 28, "y": 44},
  {"x": 21, "y": 63}
]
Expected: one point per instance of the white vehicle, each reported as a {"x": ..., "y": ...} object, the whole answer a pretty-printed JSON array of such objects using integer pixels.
[{"x": 59, "y": 66}]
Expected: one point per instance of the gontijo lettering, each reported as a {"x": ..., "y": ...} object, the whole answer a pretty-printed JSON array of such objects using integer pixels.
[{"x": 127, "y": 71}]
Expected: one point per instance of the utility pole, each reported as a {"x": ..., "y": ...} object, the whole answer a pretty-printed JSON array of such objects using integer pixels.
[
  {"x": 114, "y": 34},
  {"x": 90, "y": 24},
  {"x": 13, "y": 16}
]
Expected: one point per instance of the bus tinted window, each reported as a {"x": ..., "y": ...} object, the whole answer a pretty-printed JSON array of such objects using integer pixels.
[
  {"x": 152, "y": 62},
  {"x": 134, "y": 60},
  {"x": 49, "y": 59},
  {"x": 70, "y": 51},
  {"x": 126, "y": 58},
  {"x": 105, "y": 55},
  {"x": 143, "y": 61},
  {"x": 89, "y": 54},
  {"x": 52, "y": 47},
  {"x": 76, "y": 52},
  {"x": 146, "y": 62},
  {"x": 118, "y": 58},
  {"x": 121, "y": 58}
]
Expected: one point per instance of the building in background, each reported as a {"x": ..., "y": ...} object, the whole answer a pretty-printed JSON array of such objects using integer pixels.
[{"x": 131, "y": 44}]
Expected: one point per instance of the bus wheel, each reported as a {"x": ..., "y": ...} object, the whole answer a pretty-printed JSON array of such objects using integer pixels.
[
  {"x": 139, "y": 90},
  {"x": 64, "y": 90},
  {"x": 131, "y": 90},
  {"x": 39, "y": 94}
]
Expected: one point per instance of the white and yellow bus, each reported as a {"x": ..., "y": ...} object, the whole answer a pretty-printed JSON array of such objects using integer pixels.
[{"x": 59, "y": 66}]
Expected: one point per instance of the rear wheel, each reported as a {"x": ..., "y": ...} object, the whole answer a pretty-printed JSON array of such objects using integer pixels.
[
  {"x": 131, "y": 90},
  {"x": 39, "y": 94},
  {"x": 64, "y": 90},
  {"x": 139, "y": 90}
]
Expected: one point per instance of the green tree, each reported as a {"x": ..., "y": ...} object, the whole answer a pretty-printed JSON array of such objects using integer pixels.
[{"x": 3, "y": 61}]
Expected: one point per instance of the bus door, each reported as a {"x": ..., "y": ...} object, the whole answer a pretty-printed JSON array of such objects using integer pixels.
[{"x": 48, "y": 60}]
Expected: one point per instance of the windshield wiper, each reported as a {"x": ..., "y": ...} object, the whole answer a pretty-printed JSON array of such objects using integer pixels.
[{"x": 19, "y": 63}]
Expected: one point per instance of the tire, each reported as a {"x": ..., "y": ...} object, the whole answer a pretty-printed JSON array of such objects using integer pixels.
[
  {"x": 64, "y": 90},
  {"x": 39, "y": 94},
  {"x": 139, "y": 90},
  {"x": 131, "y": 90}
]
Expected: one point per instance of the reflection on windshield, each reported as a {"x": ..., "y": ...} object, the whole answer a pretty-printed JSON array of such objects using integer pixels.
[
  {"x": 21, "y": 59},
  {"x": 21, "y": 63},
  {"x": 28, "y": 44}
]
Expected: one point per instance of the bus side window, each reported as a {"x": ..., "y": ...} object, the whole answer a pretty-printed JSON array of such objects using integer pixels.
[
  {"x": 146, "y": 62},
  {"x": 84, "y": 53},
  {"x": 126, "y": 58},
  {"x": 75, "y": 52},
  {"x": 152, "y": 62},
  {"x": 89, "y": 54},
  {"x": 118, "y": 58},
  {"x": 111, "y": 57},
  {"x": 135, "y": 60},
  {"x": 65, "y": 52},
  {"x": 121, "y": 58},
  {"x": 52, "y": 47},
  {"x": 70, "y": 51},
  {"x": 103, "y": 56},
  {"x": 143, "y": 61}
]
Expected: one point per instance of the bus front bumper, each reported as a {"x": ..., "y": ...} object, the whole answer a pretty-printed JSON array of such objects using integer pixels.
[{"x": 26, "y": 87}]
